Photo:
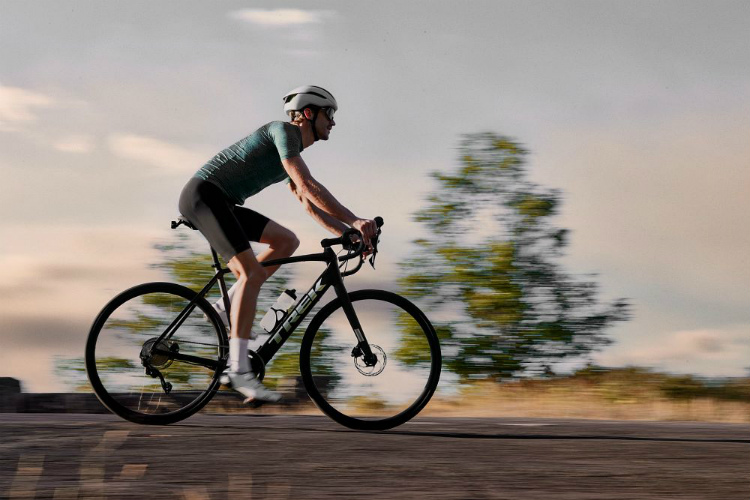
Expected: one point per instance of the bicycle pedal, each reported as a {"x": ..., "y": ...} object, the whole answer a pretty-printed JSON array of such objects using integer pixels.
[{"x": 254, "y": 403}]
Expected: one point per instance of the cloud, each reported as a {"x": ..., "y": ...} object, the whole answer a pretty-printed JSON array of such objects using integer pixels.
[
  {"x": 70, "y": 271},
  {"x": 281, "y": 17},
  {"x": 22, "y": 332},
  {"x": 55, "y": 280},
  {"x": 18, "y": 106},
  {"x": 661, "y": 204},
  {"x": 155, "y": 152},
  {"x": 74, "y": 144},
  {"x": 714, "y": 351}
]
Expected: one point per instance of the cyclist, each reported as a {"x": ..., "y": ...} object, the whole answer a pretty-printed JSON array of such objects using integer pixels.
[{"x": 212, "y": 201}]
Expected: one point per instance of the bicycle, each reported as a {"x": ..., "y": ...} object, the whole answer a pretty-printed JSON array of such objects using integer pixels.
[{"x": 156, "y": 352}]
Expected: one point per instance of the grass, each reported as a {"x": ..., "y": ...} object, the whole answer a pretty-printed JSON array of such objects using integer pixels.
[
  {"x": 621, "y": 394},
  {"x": 593, "y": 393}
]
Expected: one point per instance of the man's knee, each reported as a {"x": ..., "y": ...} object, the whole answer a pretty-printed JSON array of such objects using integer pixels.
[
  {"x": 287, "y": 243},
  {"x": 247, "y": 270},
  {"x": 292, "y": 244},
  {"x": 280, "y": 238},
  {"x": 252, "y": 279}
]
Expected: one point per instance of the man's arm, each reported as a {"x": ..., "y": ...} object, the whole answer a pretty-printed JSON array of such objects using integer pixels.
[
  {"x": 319, "y": 196},
  {"x": 315, "y": 192},
  {"x": 328, "y": 222}
]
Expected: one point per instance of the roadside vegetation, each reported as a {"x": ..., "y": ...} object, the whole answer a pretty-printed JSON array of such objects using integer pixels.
[
  {"x": 596, "y": 393},
  {"x": 599, "y": 393},
  {"x": 489, "y": 272}
]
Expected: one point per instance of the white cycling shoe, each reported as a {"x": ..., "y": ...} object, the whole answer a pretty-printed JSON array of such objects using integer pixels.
[{"x": 249, "y": 386}]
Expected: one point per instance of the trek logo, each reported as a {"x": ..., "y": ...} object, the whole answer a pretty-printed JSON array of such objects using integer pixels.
[{"x": 300, "y": 309}]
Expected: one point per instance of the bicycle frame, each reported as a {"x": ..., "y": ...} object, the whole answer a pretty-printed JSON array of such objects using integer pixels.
[{"x": 331, "y": 277}]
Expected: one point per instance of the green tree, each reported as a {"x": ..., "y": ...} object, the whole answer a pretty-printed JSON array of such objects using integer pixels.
[
  {"x": 489, "y": 270},
  {"x": 194, "y": 269}
]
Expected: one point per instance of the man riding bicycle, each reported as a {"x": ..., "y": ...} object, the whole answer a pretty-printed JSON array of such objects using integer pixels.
[{"x": 212, "y": 201}]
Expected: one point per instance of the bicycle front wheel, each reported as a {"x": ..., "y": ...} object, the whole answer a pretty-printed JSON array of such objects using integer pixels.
[
  {"x": 143, "y": 379},
  {"x": 369, "y": 396}
]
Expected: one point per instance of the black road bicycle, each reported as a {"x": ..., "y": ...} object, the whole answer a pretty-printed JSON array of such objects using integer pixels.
[{"x": 369, "y": 359}]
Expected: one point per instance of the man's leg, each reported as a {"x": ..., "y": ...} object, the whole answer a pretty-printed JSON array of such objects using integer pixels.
[
  {"x": 228, "y": 228},
  {"x": 250, "y": 276},
  {"x": 282, "y": 243},
  {"x": 244, "y": 295}
]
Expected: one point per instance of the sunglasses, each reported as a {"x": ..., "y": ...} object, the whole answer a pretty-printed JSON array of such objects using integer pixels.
[{"x": 329, "y": 112}]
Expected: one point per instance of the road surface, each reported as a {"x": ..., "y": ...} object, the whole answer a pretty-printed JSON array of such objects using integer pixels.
[{"x": 306, "y": 457}]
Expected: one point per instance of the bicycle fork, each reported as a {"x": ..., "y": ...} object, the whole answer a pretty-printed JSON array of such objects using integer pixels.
[{"x": 362, "y": 348}]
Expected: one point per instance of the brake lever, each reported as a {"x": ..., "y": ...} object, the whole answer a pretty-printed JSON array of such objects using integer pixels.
[
  {"x": 374, "y": 250},
  {"x": 379, "y": 223}
]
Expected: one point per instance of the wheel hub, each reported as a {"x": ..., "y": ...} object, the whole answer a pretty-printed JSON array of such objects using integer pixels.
[
  {"x": 154, "y": 359},
  {"x": 370, "y": 369}
]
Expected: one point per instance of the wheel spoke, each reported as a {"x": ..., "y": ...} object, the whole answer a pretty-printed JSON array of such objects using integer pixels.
[
  {"x": 366, "y": 395},
  {"x": 126, "y": 360}
]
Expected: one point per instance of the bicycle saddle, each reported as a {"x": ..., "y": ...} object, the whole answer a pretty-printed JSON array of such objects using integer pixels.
[{"x": 183, "y": 220}]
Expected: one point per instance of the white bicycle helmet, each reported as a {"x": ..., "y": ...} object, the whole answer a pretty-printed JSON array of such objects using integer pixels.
[{"x": 308, "y": 95}]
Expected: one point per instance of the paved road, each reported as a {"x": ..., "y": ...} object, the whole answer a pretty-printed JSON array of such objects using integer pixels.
[{"x": 300, "y": 457}]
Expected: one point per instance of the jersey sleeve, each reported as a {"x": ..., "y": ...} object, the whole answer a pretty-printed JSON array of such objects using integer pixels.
[{"x": 287, "y": 138}]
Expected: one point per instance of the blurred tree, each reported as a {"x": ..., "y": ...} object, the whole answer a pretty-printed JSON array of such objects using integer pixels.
[
  {"x": 194, "y": 269},
  {"x": 488, "y": 269}
]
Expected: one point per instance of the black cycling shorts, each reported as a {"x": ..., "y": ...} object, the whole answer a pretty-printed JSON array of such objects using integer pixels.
[{"x": 227, "y": 227}]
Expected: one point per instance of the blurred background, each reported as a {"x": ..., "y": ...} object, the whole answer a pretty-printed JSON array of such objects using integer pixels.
[{"x": 564, "y": 184}]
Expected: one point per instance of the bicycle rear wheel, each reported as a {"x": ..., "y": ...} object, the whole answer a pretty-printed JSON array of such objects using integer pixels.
[
  {"x": 377, "y": 397},
  {"x": 148, "y": 382}
]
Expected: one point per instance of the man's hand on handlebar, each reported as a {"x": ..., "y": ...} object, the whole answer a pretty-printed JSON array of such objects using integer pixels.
[
  {"x": 369, "y": 230},
  {"x": 355, "y": 241},
  {"x": 358, "y": 246}
]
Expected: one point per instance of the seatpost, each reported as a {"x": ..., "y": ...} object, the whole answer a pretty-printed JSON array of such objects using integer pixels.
[
  {"x": 215, "y": 256},
  {"x": 222, "y": 286}
]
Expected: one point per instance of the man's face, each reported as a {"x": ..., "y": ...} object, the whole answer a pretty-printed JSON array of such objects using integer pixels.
[{"x": 324, "y": 125}]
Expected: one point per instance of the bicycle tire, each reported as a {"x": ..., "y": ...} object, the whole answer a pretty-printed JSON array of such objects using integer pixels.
[
  {"x": 117, "y": 337},
  {"x": 422, "y": 335}
]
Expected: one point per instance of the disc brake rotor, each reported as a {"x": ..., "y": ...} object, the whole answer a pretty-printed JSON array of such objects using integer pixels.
[{"x": 377, "y": 368}]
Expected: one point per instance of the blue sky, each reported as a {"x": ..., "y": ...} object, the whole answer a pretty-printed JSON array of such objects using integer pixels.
[{"x": 637, "y": 111}]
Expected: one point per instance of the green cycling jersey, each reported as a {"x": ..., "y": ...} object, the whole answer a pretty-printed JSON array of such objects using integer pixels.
[{"x": 253, "y": 163}]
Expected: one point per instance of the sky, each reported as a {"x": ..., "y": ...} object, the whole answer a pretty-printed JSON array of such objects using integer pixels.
[{"x": 637, "y": 111}]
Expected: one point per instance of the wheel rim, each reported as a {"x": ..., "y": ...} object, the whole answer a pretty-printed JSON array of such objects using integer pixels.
[
  {"x": 392, "y": 390},
  {"x": 121, "y": 351}
]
